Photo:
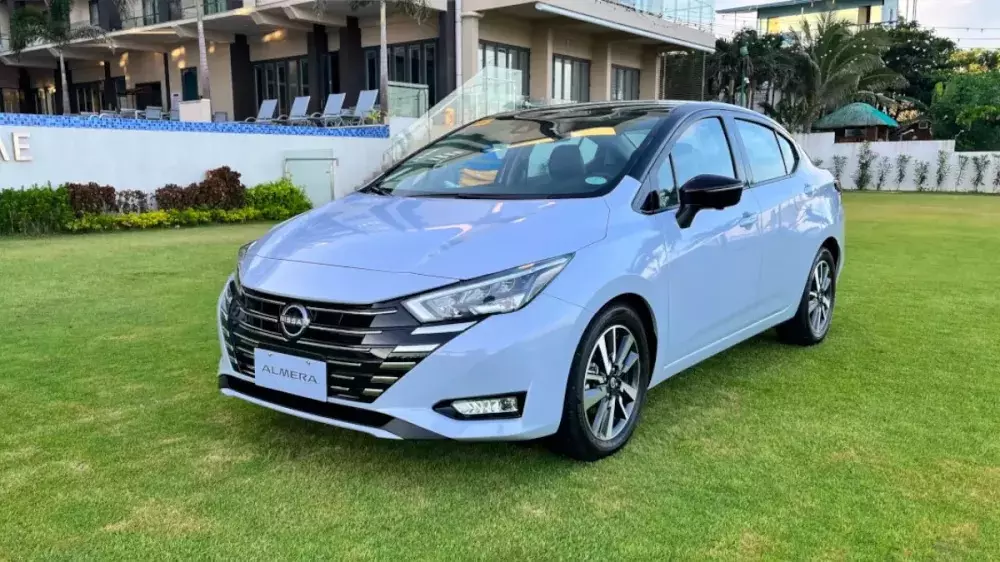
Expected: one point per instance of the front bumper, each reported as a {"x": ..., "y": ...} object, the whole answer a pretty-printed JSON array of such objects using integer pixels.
[{"x": 529, "y": 351}]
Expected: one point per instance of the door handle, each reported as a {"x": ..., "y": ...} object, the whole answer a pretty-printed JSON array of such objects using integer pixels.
[
  {"x": 811, "y": 189},
  {"x": 748, "y": 220}
]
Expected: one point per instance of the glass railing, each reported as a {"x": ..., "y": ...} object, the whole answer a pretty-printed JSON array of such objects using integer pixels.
[
  {"x": 699, "y": 14},
  {"x": 176, "y": 10},
  {"x": 407, "y": 100},
  {"x": 492, "y": 90}
]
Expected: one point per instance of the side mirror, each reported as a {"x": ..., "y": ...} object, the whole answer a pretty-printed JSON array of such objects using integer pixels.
[{"x": 707, "y": 192}]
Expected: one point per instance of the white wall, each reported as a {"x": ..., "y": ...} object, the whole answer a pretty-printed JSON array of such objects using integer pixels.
[
  {"x": 148, "y": 160},
  {"x": 820, "y": 146}
]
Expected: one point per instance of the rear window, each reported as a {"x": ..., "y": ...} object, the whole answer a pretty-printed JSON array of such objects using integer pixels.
[{"x": 539, "y": 154}]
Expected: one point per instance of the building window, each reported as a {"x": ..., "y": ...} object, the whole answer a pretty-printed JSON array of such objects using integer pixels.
[
  {"x": 281, "y": 79},
  {"x": 506, "y": 56},
  {"x": 412, "y": 63},
  {"x": 89, "y": 96},
  {"x": 625, "y": 85},
  {"x": 95, "y": 14},
  {"x": 570, "y": 79},
  {"x": 11, "y": 100}
]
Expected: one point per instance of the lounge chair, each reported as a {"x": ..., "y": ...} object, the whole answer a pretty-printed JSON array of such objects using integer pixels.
[
  {"x": 299, "y": 114},
  {"x": 220, "y": 117},
  {"x": 154, "y": 112},
  {"x": 266, "y": 113},
  {"x": 366, "y": 103},
  {"x": 332, "y": 113}
]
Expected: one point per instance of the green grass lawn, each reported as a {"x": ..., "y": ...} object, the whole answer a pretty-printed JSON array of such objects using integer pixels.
[{"x": 882, "y": 443}]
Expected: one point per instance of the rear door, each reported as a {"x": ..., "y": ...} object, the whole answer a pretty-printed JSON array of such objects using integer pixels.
[
  {"x": 713, "y": 266},
  {"x": 771, "y": 163}
]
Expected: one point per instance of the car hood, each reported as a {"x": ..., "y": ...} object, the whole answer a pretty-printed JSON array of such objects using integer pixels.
[{"x": 446, "y": 238}]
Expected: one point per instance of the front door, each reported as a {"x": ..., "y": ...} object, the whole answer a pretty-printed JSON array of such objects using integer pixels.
[
  {"x": 189, "y": 84},
  {"x": 713, "y": 266}
]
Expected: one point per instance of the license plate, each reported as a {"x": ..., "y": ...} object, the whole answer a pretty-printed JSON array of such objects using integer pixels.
[{"x": 287, "y": 373}]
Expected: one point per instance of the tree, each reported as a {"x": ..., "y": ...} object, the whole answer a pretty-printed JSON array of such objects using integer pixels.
[
  {"x": 417, "y": 9},
  {"x": 834, "y": 65},
  {"x": 766, "y": 66},
  {"x": 32, "y": 24},
  {"x": 204, "y": 82},
  {"x": 967, "y": 109},
  {"x": 922, "y": 58},
  {"x": 975, "y": 61}
]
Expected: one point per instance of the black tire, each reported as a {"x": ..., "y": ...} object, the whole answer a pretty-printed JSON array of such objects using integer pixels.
[
  {"x": 575, "y": 438},
  {"x": 799, "y": 330}
]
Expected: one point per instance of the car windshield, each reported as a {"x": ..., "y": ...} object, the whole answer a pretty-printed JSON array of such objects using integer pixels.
[{"x": 538, "y": 154}]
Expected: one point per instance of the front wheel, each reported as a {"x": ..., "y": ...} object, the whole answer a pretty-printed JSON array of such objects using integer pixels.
[
  {"x": 812, "y": 320},
  {"x": 606, "y": 387}
]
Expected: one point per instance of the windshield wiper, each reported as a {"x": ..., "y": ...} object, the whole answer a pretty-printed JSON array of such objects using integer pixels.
[
  {"x": 462, "y": 195},
  {"x": 376, "y": 189}
]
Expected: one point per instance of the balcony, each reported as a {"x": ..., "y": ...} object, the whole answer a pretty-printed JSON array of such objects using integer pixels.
[
  {"x": 692, "y": 13},
  {"x": 162, "y": 11}
]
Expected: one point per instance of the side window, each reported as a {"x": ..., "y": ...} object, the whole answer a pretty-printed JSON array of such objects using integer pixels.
[
  {"x": 761, "y": 145},
  {"x": 702, "y": 149},
  {"x": 791, "y": 157},
  {"x": 663, "y": 183}
]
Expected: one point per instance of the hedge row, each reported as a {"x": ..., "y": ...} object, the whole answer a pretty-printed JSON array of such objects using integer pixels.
[{"x": 92, "y": 207}]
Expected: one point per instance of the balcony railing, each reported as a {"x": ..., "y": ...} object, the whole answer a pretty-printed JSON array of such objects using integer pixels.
[
  {"x": 699, "y": 14},
  {"x": 160, "y": 12}
]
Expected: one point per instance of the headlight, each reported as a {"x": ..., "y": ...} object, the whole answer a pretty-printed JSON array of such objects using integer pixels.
[
  {"x": 240, "y": 254},
  {"x": 506, "y": 291}
]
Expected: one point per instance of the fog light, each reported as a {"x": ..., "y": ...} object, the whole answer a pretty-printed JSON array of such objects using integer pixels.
[{"x": 487, "y": 406}]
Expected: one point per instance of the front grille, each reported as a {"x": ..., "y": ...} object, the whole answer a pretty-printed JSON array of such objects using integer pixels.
[{"x": 360, "y": 344}]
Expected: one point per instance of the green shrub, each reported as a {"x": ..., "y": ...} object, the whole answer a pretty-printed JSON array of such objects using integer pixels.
[
  {"x": 160, "y": 219},
  {"x": 278, "y": 200},
  {"x": 34, "y": 210}
]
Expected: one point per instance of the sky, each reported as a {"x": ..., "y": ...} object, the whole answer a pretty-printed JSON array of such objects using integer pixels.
[{"x": 969, "y": 22}]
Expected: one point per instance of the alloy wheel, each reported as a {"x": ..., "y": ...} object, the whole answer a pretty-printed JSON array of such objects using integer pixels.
[
  {"x": 611, "y": 384},
  {"x": 820, "y": 298}
]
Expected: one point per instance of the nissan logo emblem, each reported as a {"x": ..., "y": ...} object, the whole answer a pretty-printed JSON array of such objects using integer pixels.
[{"x": 294, "y": 320}]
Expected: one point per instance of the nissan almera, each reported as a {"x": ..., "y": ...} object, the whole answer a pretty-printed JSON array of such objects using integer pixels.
[{"x": 535, "y": 274}]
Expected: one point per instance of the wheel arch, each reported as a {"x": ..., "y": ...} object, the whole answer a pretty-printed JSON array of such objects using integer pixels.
[
  {"x": 833, "y": 245},
  {"x": 645, "y": 311}
]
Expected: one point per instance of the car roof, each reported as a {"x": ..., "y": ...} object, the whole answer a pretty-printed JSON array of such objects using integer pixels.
[{"x": 555, "y": 111}]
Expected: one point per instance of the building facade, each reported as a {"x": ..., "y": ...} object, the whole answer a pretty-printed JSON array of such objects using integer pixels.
[
  {"x": 576, "y": 50},
  {"x": 787, "y": 15}
]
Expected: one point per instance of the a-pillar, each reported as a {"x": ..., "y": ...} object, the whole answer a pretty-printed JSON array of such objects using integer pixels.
[
  {"x": 601, "y": 74},
  {"x": 470, "y": 45},
  {"x": 649, "y": 75},
  {"x": 244, "y": 93},
  {"x": 316, "y": 47},
  {"x": 541, "y": 63},
  {"x": 351, "y": 60}
]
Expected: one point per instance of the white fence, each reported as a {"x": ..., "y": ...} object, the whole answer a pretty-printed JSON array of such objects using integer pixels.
[
  {"x": 134, "y": 154},
  {"x": 899, "y": 166}
]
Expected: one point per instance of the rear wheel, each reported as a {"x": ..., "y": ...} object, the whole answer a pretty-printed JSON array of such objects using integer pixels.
[
  {"x": 606, "y": 387},
  {"x": 812, "y": 320}
]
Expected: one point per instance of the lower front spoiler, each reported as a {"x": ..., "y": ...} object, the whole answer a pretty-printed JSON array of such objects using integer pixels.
[{"x": 357, "y": 419}]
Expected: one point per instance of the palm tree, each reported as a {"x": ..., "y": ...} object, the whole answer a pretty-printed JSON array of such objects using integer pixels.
[
  {"x": 204, "y": 87},
  {"x": 834, "y": 65},
  {"x": 417, "y": 9},
  {"x": 30, "y": 25}
]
